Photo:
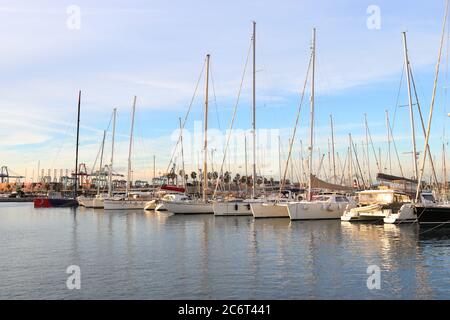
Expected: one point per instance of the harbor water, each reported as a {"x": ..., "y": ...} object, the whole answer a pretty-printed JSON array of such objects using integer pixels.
[{"x": 151, "y": 255}]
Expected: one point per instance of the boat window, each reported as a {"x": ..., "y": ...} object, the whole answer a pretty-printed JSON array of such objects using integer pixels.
[
  {"x": 375, "y": 198},
  {"x": 341, "y": 199},
  {"x": 428, "y": 197}
]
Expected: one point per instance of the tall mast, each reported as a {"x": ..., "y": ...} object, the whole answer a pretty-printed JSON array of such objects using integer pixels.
[
  {"x": 367, "y": 149},
  {"x": 154, "y": 167},
  {"x": 205, "y": 148},
  {"x": 182, "y": 154},
  {"x": 279, "y": 160},
  {"x": 130, "y": 147},
  {"x": 245, "y": 158},
  {"x": 76, "y": 149},
  {"x": 311, "y": 135},
  {"x": 411, "y": 111},
  {"x": 254, "y": 112},
  {"x": 332, "y": 148},
  {"x": 101, "y": 163},
  {"x": 389, "y": 142},
  {"x": 112, "y": 153}
]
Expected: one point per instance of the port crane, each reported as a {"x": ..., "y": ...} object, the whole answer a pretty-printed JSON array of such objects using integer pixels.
[{"x": 5, "y": 176}]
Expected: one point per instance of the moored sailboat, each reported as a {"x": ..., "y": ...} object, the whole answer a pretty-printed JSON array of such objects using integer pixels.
[{"x": 55, "y": 199}]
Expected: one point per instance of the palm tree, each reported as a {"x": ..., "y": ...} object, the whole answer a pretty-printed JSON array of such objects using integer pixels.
[{"x": 194, "y": 176}]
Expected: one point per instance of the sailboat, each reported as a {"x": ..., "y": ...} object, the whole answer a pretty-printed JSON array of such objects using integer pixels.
[
  {"x": 196, "y": 206},
  {"x": 97, "y": 201},
  {"x": 129, "y": 202},
  {"x": 55, "y": 199},
  {"x": 432, "y": 214},
  {"x": 242, "y": 207},
  {"x": 279, "y": 208},
  {"x": 324, "y": 206}
]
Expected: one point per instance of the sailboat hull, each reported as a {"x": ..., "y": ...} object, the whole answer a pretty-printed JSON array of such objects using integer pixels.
[
  {"x": 315, "y": 210},
  {"x": 55, "y": 203},
  {"x": 433, "y": 215},
  {"x": 186, "y": 207},
  {"x": 96, "y": 203},
  {"x": 232, "y": 208},
  {"x": 124, "y": 204},
  {"x": 269, "y": 210}
]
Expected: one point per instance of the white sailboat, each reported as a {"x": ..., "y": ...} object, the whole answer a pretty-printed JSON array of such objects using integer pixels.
[
  {"x": 241, "y": 207},
  {"x": 279, "y": 208},
  {"x": 320, "y": 207},
  {"x": 95, "y": 202},
  {"x": 197, "y": 206},
  {"x": 323, "y": 207},
  {"x": 129, "y": 202}
]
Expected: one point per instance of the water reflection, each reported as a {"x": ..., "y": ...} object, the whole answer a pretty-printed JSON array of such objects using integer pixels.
[{"x": 158, "y": 255}]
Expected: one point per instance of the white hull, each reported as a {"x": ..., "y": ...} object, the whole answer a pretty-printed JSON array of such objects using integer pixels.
[
  {"x": 232, "y": 208},
  {"x": 96, "y": 203},
  {"x": 160, "y": 207},
  {"x": 366, "y": 213},
  {"x": 151, "y": 205},
  {"x": 124, "y": 204},
  {"x": 269, "y": 210},
  {"x": 186, "y": 207},
  {"x": 405, "y": 214},
  {"x": 315, "y": 210}
]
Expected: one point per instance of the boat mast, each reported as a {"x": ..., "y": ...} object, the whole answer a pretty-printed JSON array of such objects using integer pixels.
[
  {"x": 76, "y": 149},
  {"x": 182, "y": 155},
  {"x": 367, "y": 150},
  {"x": 130, "y": 147},
  {"x": 112, "y": 153},
  {"x": 245, "y": 156},
  {"x": 332, "y": 149},
  {"x": 311, "y": 136},
  {"x": 101, "y": 163},
  {"x": 411, "y": 110},
  {"x": 205, "y": 148},
  {"x": 279, "y": 161},
  {"x": 254, "y": 112},
  {"x": 433, "y": 96},
  {"x": 389, "y": 142}
]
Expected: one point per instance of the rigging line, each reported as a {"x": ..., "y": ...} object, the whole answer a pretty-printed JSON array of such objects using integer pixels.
[
  {"x": 422, "y": 123},
  {"x": 186, "y": 116},
  {"x": 373, "y": 149},
  {"x": 214, "y": 94},
  {"x": 62, "y": 143},
  {"x": 232, "y": 119},
  {"x": 98, "y": 153},
  {"x": 398, "y": 97},
  {"x": 433, "y": 96},
  {"x": 395, "y": 148},
  {"x": 296, "y": 123}
]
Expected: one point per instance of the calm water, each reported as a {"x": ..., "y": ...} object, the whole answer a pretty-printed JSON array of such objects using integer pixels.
[{"x": 138, "y": 255}]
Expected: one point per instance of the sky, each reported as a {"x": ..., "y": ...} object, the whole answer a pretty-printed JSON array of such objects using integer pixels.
[{"x": 113, "y": 50}]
